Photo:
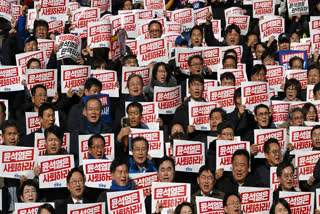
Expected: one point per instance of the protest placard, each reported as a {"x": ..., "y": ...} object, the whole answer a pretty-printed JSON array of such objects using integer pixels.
[
  {"x": 201, "y": 13},
  {"x": 295, "y": 104},
  {"x": 17, "y": 161},
  {"x": 315, "y": 40},
  {"x": 173, "y": 27},
  {"x": 109, "y": 149},
  {"x": 133, "y": 45},
  {"x": 144, "y": 72},
  {"x": 81, "y": 18},
  {"x": 10, "y": 78},
  {"x": 74, "y": 76},
  {"x": 16, "y": 10},
  {"x": 53, "y": 10},
  {"x": 70, "y": 47},
  {"x": 301, "y": 47},
  {"x": 103, "y": 5},
  {"x": 242, "y": 21},
  {"x": 40, "y": 144},
  {"x": 126, "y": 202},
  {"x": 207, "y": 205},
  {"x": 296, "y": 7},
  {"x": 299, "y": 202},
  {"x": 255, "y": 200},
  {"x": 45, "y": 77},
  {"x": 144, "y": 181},
  {"x": 223, "y": 95},
  {"x": 318, "y": 199},
  {"x": 5, "y": 9},
  {"x": 254, "y": 93},
  {"x": 271, "y": 26},
  {"x": 54, "y": 170},
  {"x": 263, "y": 8},
  {"x": 183, "y": 54},
  {"x": 237, "y": 48},
  {"x": 306, "y": 161},
  {"x": 232, "y": 11},
  {"x": 29, "y": 208},
  {"x": 99, "y": 34},
  {"x": 152, "y": 50},
  {"x": 73, "y": 6},
  {"x": 275, "y": 76},
  {"x": 169, "y": 194},
  {"x": 189, "y": 155},
  {"x": 167, "y": 98},
  {"x": 31, "y": 17},
  {"x": 33, "y": 124},
  {"x": 207, "y": 83},
  {"x": 154, "y": 138},
  {"x": 300, "y": 75},
  {"x": 300, "y": 137},
  {"x": 275, "y": 183},
  {"x": 46, "y": 45},
  {"x": 97, "y": 172},
  {"x": 310, "y": 93},
  {"x": 154, "y": 4},
  {"x": 184, "y": 17},
  {"x": 56, "y": 26},
  {"x": 225, "y": 150},
  {"x": 211, "y": 56},
  {"x": 108, "y": 78},
  {"x": 87, "y": 208},
  {"x": 240, "y": 75},
  {"x": 115, "y": 48},
  {"x": 286, "y": 55},
  {"x": 129, "y": 24},
  {"x": 199, "y": 113},
  {"x": 23, "y": 59}
]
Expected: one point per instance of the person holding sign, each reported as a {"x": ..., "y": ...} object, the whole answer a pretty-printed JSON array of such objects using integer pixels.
[
  {"x": 258, "y": 73},
  {"x": 30, "y": 44},
  {"x": 228, "y": 79},
  {"x": 96, "y": 144},
  {"x": 232, "y": 203},
  {"x": 10, "y": 134},
  {"x": 155, "y": 29}
]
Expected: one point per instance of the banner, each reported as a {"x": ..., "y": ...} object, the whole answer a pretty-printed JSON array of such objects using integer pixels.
[
  {"x": 285, "y": 56},
  {"x": 262, "y": 135},
  {"x": 30, "y": 208},
  {"x": 99, "y": 34},
  {"x": 240, "y": 75},
  {"x": 152, "y": 50},
  {"x": 241, "y": 21},
  {"x": 275, "y": 76},
  {"x": 33, "y": 124},
  {"x": 263, "y": 8},
  {"x": 53, "y": 10},
  {"x": 154, "y": 138},
  {"x": 54, "y": 170},
  {"x": 298, "y": 6},
  {"x": 300, "y": 75},
  {"x": 306, "y": 161},
  {"x": 74, "y": 76},
  {"x": 70, "y": 47},
  {"x": 299, "y": 202},
  {"x": 254, "y": 93},
  {"x": 225, "y": 150},
  {"x": 40, "y": 144},
  {"x": 189, "y": 155},
  {"x": 255, "y": 200},
  {"x": 184, "y": 17},
  {"x": 168, "y": 98},
  {"x": 271, "y": 26},
  {"x": 170, "y": 195},
  {"x": 23, "y": 59},
  {"x": 97, "y": 172},
  {"x": 275, "y": 183},
  {"x": 300, "y": 137},
  {"x": 109, "y": 147},
  {"x": 10, "y": 78},
  {"x": 144, "y": 72},
  {"x": 126, "y": 202},
  {"x": 108, "y": 78},
  {"x": 207, "y": 205},
  {"x": 144, "y": 181},
  {"x": 223, "y": 95},
  {"x": 280, "y": 111},
  {"x": 199, "y": 114},
  {"x": 183, "y": 54},
  {"x": 45, "y": 77},
  {"x": 17, "y": 161}
]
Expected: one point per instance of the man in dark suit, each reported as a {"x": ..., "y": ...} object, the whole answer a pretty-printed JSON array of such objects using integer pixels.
[{"x": 75, "y": 185}]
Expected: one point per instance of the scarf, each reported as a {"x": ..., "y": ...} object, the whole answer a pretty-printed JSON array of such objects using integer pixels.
[
  {"x": 115, "y": 187},
  {"x": 93, "y": 128}
]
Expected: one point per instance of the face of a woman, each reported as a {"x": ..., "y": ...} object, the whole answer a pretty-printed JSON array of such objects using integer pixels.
[
  {"x": 311, "y": 114},
  {"x": 280, "y": 209},
  {"x": 161, "y": 74},
  {"x": 291, "y": 93},
  {"x": 186, "y": 210}
]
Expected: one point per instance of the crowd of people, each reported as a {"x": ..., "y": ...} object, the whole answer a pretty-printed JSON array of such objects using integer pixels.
[{"x": 79, "y": 116}]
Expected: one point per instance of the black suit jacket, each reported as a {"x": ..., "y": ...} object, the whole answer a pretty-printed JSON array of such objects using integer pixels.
[
  {"x": 28, "y": 140},
  {"x": 61, "y": 206}
]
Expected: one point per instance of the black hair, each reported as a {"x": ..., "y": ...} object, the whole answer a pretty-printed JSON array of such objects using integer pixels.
[
  {"x": 194, "y": 77},
  {"x": 139, "y": 138},
  {"x": 38, "y": 23},
  {"x": 177, "y": 210},
  {"x": 176, "y": 123},
  {"x": 196, "y": 27},
  {"x": 208, "y": 169},
  {"x": 118, "y": 162},
  {"x": 257, "y": 68},
  {"x": 95, "y": 136},
  {"x": 282, "y": 166},
  {"x": 34, "y": 89},
  {"x": 295, "y": 58},
  {"x": 230, "y": 51},
  {"x": 137, "y": 105},
  {"x": 132, "y": 76},
  {"x": 233, "y": 27},
  {"x": 249, "y": 34},
  {"x": 226, "y": 197},
  {"x": 48, "y": 207},
  {"x": 30, "y": 39},
  {"x": 155, "y": 70},
  {"x": 97, "y": 63},
  {"x": 91, "y": 81},
  {"x": 228, "y": 76},
  {"x": 7, "y": 124},
  {"x": 314, "y": 128},
  {"x": 266, "y": 146},
  {"x": 241, "y": 152},
  {"x": 44, "y": 107},
  {"x": 3, "y": 108},
  {"x": 229, "y": 57},
  {"x": 305, "y": 110},
  {"x": 166, "y": 158},
  {"x": 266, "y": 54},
  {"x": 129, "y": 56},
  {"x": 281, "y": 201},
  {"x": 312, "y": 67},
  {"x": 221, "y": 111},
  {"x": 236, "y": 94},
  {"x": 33, "y": 60},
  {"x": 260, "y": 106},
  {"x": 194, "y": 57},
  {"x": 222, "y": 126},
  {"x": 295, "y": 83},
  {"x": 73, "y": 170},
  {"x": 155, "y": 22},
  {"x": 27, "y": 183},
  {"x": 56, "y": 130}
]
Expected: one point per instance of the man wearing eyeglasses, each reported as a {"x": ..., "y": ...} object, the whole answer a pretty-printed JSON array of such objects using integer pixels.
[
  {"x": 155, "y": 29},
  {"x": 285, "y": 173},
  {"x": 232, "y": 204},
  {"x": 75, "y": 185},
  {"x": 96, "y": 144}
]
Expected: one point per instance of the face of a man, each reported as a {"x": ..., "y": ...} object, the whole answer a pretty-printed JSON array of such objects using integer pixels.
[
  {"x": 155, "y": 31},
  {"x": 76, "y": 185},
  {"x": 233, "y": 205},
  {"x": 269, "y": 61},
  {"x": 227, "y": 82},
  {"x": 206, "y": 182},
  {"x": 232, "y": 38},
  {"x": 41, "y": 32},
  {"x": 226, "y": 134},
  {"x": 121, "y": 175},
  {"x": 134, "y": 116},
  {"x": 294, "y": 38},
  {"x": 196, "y": 90},
  {"x": 215, "y": 119},
  {"x": 135, "y": 87},
  {"x": 30, "y": 46},
  {"x": 296, "y": 65},
  {"x": 47, "y": 119},
  {"x": 284, "y": 46},
  {"x": 39, "y": 97},
  {"x": 97, "y": 148},
  {"x": 166, "y": 172},
  {"x": 196, "y": 38},
  {"x": 196, "y": 66},
  {"x": 53, "y": 144},
  {"x": 92, "y": 91},
  {"x": 315, "y": 137},
  {"x": 259, "y": 76},
  {"x": 11, "y": 136},
  {"x": 92, "y": 111},
  {"x": 297, "y": 119},
  {"x": 229, "y": 64},
  {"x": 140, "y": 152},
  {"x": 313, "y": 77},
  {"x": 34, "y": 65},
  {"x": 286, "y": 179},
  {"x": 274, "y": 156},
  {"x": 240, "y": 168},
  {"x": 131, "y": 62},
  {"x": 262, "y": 117},
  {"x": 29, "y": 194}
]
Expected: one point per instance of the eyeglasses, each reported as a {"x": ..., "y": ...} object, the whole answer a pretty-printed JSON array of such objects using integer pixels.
[
  {"x": 97, "y": 147},
  {"x": 140, "y": 149},
  {"x": 298, "y": 118},
  {"x": 197, "y": 64},
  {"x": 154, "y": 31},
  {"x": 228, "y": 134},
  {"x": 196, "y": 84},
  {"x": 73, "y": 183},
  {"x": 234, "y": 203},
  {"x": 261, "y": 114},
  {"x": 275, "y": 152},
  {"x": 203, "y": 177}
]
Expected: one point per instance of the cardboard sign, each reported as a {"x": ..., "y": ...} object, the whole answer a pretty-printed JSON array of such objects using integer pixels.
[
  {"x": 45, "y": 77},
  {"x": 32, "y": 208},
  {"x": 46, "y": 45},
  {"x": 54, "y": 170},
  {"x": 298, "y": 6},
  {"x": 152, "y": 50},
  {"x": 315, "y": 40},
  {"x": 254, "y": 93},
  {"x": 199, "y": 113},
  {"x": 300, "y": 75},
  {"x": 168, "y": 98},
  {"x": 97, "y": 172},
  {"x": 144, "y": 181},
  {"x": 31, "y": 17},
  {"x": 207, "y": 83},
  {"x": 223, "y": 95},
  {"x": 154, "y": 4},
  {"x": 271, "y": 26},
  {"x": 154, "y": 138},
  {"x": 128, "y": 23},
  {"x": 173, "y": 27},
  {"x": 201, "y": 13},
  {"x": 133, "y": 45},
  {"x": 255, "y": 200},
  {"x": 74, "y": 76},
  {"x": 126, "y": 202},
  {"x": 54, "y": 10},
  {"x": 103, "y": 5},
  {"x": 300, "y": 137},
  {"x": 33, "y": 124},
  {"x": 108, "y": 79},
  {"x": 232, "y": 11},
  {"x": 10, "y": 78},
  {"x": 81, "y": 18},
  {"x": 225, "y": 150},
  {"x": 212, "y": 55},
  {"x": 150, "y": 114},
  {"x": 144, "y": 72},
  {"x": 207, "y": 205},
  {"x": 5, "y": 9},
  {"x": 262, "y": 135},
  {"x": 306, "y": 161},
  {"x": 109, "y": 148},
  {"x": 16, "y": 11},
  {"x": 263, "y": 8},
  {"x": 70, "y": 47},
  {"x": 105, "y": 106},
  {"x": 275, "y": 76},
  {"x": 299, "y": 202},
  {"x": 241, "y": 21},
  {"x": 310, "y": 93},
  {"x": 40, "y": 144},
  {"x": 17, "y": 161},
  {"x": 184, "y": 17},
  {"x": 86, "y": 208},
  {"x": 280, "y": 111},
  {"x": 275, "y": 183},
  {"x": 237, "y": 48},
  {"x": 183, "y": 54},
  {"x": 301, "y": 47},
  {"x": 56, "y": 26},
  {"x": 170, "y": 195},
  {"x": 318, "y": 198},
  {"x": 285, "y": 56},
  {"x": 99, "y": 34},
  {"x": 23, "y": 59},
  {"x": 189, "y": 155}
]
